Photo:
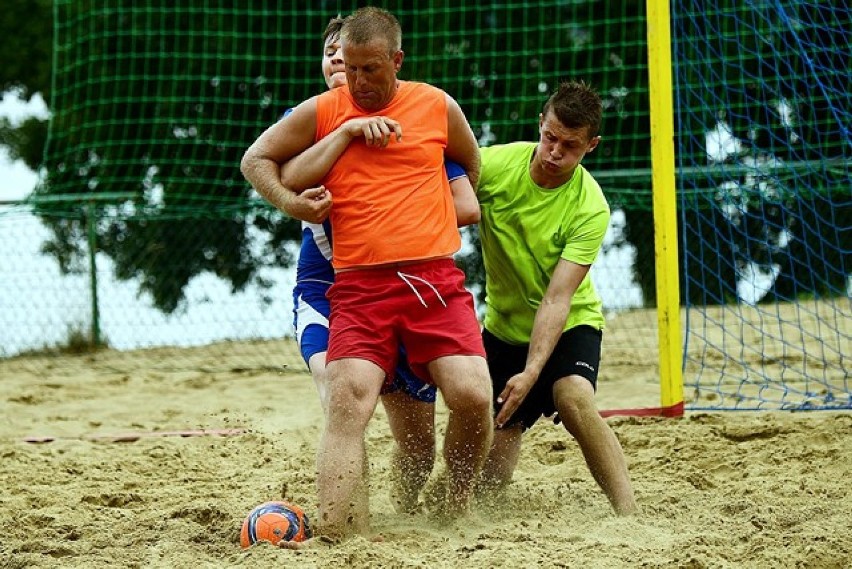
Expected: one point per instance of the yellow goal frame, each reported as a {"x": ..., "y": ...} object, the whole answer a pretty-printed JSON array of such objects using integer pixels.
[{"x": 665, "y": 207}]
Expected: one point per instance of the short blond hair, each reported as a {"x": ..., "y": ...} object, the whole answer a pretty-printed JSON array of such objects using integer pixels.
[{"x": 367, "y": 24}]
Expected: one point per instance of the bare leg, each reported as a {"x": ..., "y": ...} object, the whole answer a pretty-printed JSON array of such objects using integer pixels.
[
  {"x": 412, "y": 424},
  {"x": 466, "y": 388},
  {"x": 354, "y": 386},
  {"x": 502, "y": 460},
  {"x": 319, "y": 372},
  {"x": 574, "y": 398},
  {"x": 359, "y": 511},
  {"x": 320, "y": 375}
]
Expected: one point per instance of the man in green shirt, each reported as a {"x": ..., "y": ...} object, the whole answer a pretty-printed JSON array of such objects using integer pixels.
[{"x": 543, "y": 222}]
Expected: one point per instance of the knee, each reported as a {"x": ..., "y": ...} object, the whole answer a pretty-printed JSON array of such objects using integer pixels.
[
  {"x": 576, "y": 407},
  {"x": 470, "y": 396},
  {"x": 464, "y": 383},
  {"x": 349, "y": 404}
]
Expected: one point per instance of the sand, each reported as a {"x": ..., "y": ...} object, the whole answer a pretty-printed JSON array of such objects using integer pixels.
[{"x": 113, "y": 485}]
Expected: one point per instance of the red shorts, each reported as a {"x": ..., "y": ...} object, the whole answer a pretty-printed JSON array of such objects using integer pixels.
[{"x": 424, "y": 306}]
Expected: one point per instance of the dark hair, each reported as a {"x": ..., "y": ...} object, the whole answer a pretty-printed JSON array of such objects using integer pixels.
[
  {"x": 576, "y": 105},
  {"x": 332, "y": 30},
  {"x": 366, "y": 24}
]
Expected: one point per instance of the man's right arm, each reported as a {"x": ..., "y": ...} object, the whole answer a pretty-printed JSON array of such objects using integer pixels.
[
  {"x": 261, "y": 164},
  {"x": 309, "y": 168}
]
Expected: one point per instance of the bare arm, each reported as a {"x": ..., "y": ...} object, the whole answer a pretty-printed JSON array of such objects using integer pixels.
[
  {"x": 282, "y": 141},
  {"x": 311, "y": 166},
  {"x": 464, "y": 198},
  {"x": 461, "y": 144},
  {"x": 547, "y": 328}
]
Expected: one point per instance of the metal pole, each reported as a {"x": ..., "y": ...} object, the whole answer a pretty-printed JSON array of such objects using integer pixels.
[{"x": 93, "y": 273}]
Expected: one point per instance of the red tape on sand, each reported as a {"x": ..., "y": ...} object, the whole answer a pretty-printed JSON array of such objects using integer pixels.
[{"x": 671, "y": 411}]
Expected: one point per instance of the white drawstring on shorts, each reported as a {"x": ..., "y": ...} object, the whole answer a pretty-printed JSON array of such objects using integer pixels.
[{"x": 405, "y": 278}]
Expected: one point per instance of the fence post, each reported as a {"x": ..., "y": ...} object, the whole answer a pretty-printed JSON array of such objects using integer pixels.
[{"x": 93, "y": 278}]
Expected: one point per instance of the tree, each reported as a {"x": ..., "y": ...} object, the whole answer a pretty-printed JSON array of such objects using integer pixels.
[
  {"x": 25, "y": 26},
  {"x": 156, "y": 109}
]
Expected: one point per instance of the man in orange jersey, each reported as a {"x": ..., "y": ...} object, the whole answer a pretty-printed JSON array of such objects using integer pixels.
[
  {"x": 408, "y": 401},
  {"x": 379, "y": 146}
]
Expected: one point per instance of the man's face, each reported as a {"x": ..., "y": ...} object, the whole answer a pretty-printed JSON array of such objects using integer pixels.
[
  {"x": 333, "y": 70},
  {"x": 371, "y": 73},
  {"x": 560, "y": 149}
]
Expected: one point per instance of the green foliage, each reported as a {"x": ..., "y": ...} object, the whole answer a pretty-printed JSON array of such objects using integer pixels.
[
  {"x": 25, "y": 26},
  {"x": 170, "y": 103},
  {"x": 25, "y": 141},
  {"x": 78, "y": 341}
]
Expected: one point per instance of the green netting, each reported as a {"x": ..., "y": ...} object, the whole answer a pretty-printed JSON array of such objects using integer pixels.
[
  {"x": 155, "y": 102},
  {"x": 150, "y": 93}
]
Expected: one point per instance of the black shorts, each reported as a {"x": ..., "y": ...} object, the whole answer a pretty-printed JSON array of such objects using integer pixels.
[{"x": 578, "y": 352}]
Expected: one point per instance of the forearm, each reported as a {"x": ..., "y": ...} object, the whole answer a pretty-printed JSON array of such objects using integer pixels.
[
  {"x": 548, "y": 327},
  {"x": 309, "y": 168},
  {"x": 465, "y": 202},
  {"x": 263, "y": 174}
]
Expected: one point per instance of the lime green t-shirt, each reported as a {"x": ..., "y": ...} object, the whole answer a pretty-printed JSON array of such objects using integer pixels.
[{"x": 525, "y": 229}]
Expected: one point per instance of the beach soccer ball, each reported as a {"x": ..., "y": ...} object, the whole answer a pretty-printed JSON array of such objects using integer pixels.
[{"x": 275, "y": 522}]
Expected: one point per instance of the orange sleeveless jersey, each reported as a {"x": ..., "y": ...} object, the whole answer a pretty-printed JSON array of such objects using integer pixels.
[{"x": 391, "y": 204}]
